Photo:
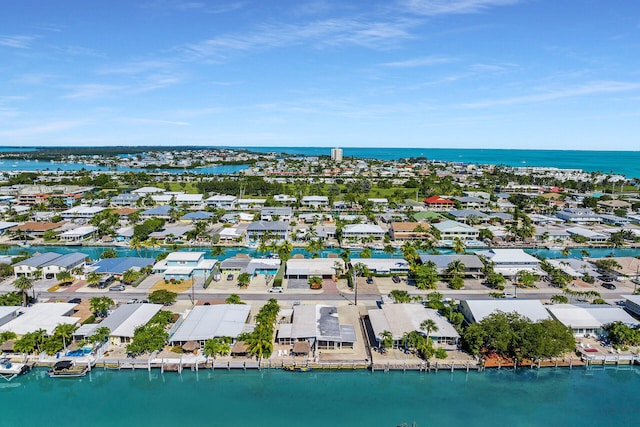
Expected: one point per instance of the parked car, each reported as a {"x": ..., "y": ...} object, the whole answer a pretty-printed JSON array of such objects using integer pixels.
[
  {"x": 230, "y": 276},
  {"x": 133, "y": 301},
  {"x": 276, "y": 290},
  {"x": 508, "y": 295},
  {"x": 395, "y": 278},
  {"x": 609, "y": 286},
  {"x": 117, "y": 288},
  {"x": 75, "y": 300},
  {"x": 370, "y": 280}
]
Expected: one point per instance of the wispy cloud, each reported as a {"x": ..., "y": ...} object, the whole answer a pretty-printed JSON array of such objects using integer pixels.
[
  {"x": 420, "y": 62},
  {"x": 39, "y": 129},
  {"x": 592, "y": 88},
  {"x": 200, "y": 6},
  {"x": 450, "y": 7},
  {"x": 17, "y": 42},
  {"x": 92, "y": 90},
  {"x": 154, "y": 122},
  {"x": 331, "y": 32}
]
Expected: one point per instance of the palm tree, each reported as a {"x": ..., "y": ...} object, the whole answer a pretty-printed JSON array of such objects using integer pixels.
[
  {"x": 136, "y": 245},
  {"x": 260, "y": 342},
  {"x": 217, "y": 346},
  {"x": 23, "y": 284},
  {"x": 65, "y": 331},
  {"x": 284, "y": 250},
  {"x": 386, "y": 340},
  {"x": 244, "y": 279},
  {"x": 93, "y": 279},
  {"x": 100, "y": 305},
  {"x": 456, "y": 268},
  {"x": 458, "y": 245},
  {"x": 428, "y": 326},
  {"x": 217, "y": 251}
]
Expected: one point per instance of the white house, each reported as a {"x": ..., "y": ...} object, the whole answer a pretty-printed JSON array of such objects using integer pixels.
[
  {"x": 185, "y": 266},
  {"x": 449, "y": 230},
  {"x": 509, "y": 262},
  {"x": 363, "y": 231}
]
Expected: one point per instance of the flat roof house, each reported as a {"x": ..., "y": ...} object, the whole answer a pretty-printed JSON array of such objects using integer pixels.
[
  {"x": 476, "y": 310},
  {"x": 400, "y": 319},
  {"x": 78, "y": 234},
  {"x": 124, "y": 320},
  {"x": 41, "y": 316},
  {"x": 589, "y": 320},
  {"x": 205, "y": 322},
  {"x": 472, "y": 264},
  {"x": 383, "y": 265},
  {"x": 313, "y": 267},
  {"x": 509, "y": 262},
  {"x": 318, "y": 325},
  {"x": 185, "y": 266}
]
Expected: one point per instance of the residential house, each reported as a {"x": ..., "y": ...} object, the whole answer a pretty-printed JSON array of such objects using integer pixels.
[
  {"x": 205, "y": 322},
  {"x": 438, "y": 203},
  {"x": 276, "y": 213},
  {"x": 63, "y": 263},
  {"x": 472, "y": 264},
  {"x": 357, "y": 232},
  {"x": 315, "y": 202},
  {"x": 509, "y": 262},
  {"x": 449, "y": 230},
  {"x": 222, "y": 201},
  {"x": 402, "y": 231},
  {"x": 275, "y": 230},
  {"x": 185, "y": 266}
]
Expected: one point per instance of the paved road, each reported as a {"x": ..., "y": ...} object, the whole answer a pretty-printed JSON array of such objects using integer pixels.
[{"x": 368, "y": 299}]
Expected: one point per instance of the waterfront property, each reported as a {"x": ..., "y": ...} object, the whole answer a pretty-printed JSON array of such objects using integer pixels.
[
  {"x": 509, "y": 262},
  {"x": 589, "y": 320},
  {"x": 450, "y": 230},
  {"x": 122, "y": 322},
  {"x": 204, "y": 322},
  {"x": 316, "y": 327},
  {"x": 62, "y": 263},
  {"x": 383, "y": 266},
  {"x": 118, "y": 266},
  {"x": 273, "y": 230},
  {"x": 476, "y": 310},
  {"x": 400, "y": 319},
  {"x": 44, "y": 316},
  {"x": 326, "y": 268},
  {"x": 30, "y": 266},
  {"x": 184, "y": 265}
]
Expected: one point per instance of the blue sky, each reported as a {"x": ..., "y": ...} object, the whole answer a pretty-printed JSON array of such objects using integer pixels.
[{"x": 395, "y": 73}]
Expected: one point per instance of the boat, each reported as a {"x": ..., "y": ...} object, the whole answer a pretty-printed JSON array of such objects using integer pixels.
[
  {"x": 295, "y": 369},
  {"x": 10, "y": 370},
  {"x": 67, "y": 369}
]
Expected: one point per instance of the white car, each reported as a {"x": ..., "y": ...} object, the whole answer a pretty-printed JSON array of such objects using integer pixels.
[{"x": 276, "y": 290}]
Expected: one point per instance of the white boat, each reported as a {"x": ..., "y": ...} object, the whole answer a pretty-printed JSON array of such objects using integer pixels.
[{"x": 10, "y": 370}]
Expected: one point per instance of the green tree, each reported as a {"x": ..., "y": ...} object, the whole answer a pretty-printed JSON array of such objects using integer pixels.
[
  {"x": 24, "y": 285},
  {"x": 100, "y": 335},
  {"x": 428, "y": 326},
  {"x": 99, "y": 306},
  {"x": 217, "y": 347},
  {"x": 244, "y": 279},
  {"x": 233, "y": 299},
  {"x": 93, "y": 279},
  {"x": 386, "y": 340},
  {"x": 260, "y": 342},
  {"x": 148, "y": 338},
  {"x": 162, "y": 296},
  {"x": 425, "y": 275},
  {"x": 109, "y": 253},
  {"x": 458, "y": 246}
]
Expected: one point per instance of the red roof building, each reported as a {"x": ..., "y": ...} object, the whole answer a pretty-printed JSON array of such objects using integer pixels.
[{"x": 438, "y": 203}]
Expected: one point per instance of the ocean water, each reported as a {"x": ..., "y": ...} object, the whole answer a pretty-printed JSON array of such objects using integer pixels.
[
  {"x": 549, "y": 397},
  {"x": 620, "y": 162}
]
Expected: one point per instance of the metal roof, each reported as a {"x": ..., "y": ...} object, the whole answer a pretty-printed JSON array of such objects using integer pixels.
[
  {"x": 41, "y": 316},
  {"x": 532, "y": 309},
  {"x": 120, "y": 265},
  {"x": 40, "y": 259},
  {"x": 123, "y": 321},
  {"x": 68, "y": 260},
  {"x": 402, "y": 318},
  {"x": 204, "y": 322},
  {"x": 591, "y": 316}
]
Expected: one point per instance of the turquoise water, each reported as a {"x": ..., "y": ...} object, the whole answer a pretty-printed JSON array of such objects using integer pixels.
[
  {"x": 549, "y": 397},
  {"x": 94, "y": 252},
  {"x": 622, "y": 162},
  {"x": 42, "y": 165}
]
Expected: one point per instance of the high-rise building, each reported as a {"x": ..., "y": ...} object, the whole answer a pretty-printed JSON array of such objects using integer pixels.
[{"x": 336, "y": 154}]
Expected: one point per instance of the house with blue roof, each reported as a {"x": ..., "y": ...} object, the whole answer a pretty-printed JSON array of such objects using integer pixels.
[
  {"x": 163, "y": 211},
  {"x": 196, "y": 216},
  {"x": 117, "y": 266}
]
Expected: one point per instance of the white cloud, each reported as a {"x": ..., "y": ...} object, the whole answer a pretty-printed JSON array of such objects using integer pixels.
[
  {"x": 39, "y": 129},
  {"x": 449, "y": 7},
  {"x": 17, "y": 42},
  {"x": 592, "y": 88},
  {"x": 329, "y": 32},
  {"x": 93, "y": 90},
  {"x": 420, "y": 62}
]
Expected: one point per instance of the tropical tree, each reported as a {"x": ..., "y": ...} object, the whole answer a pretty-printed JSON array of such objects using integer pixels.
[
  {"x": 260, "y": 341},
  {"x": 100, "y": 305},
  {"x": 162, "y": 296},
  {"x": 458, "y": 246},
  {"x": 526, "y": 278},
  {"x": 428, "y": 326},
  {"x": 559, "y": 299},
  {"x": 244, "y": 279},
  {"x": 217, "y": 347},
  {"x": 386, "y": 340},
  {"x": 93, "y": 279},
  {"x": 425, "y": 275},
  {"x": 233, "y": 299},
  {"x": 64, "y": 277},
  {"x": 284, "y": 250},
  {"x": 100, "y": 335},
  {"x": 109, "y": 253},
  {"x": 24, "y": 285}
]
